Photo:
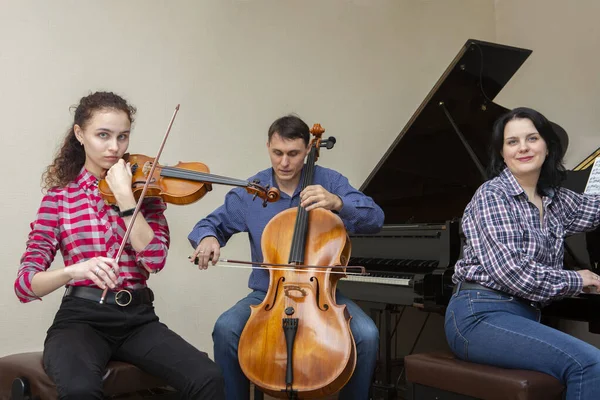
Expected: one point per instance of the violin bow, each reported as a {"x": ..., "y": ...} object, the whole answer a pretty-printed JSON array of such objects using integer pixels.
[{"x": 141, "y": 199}]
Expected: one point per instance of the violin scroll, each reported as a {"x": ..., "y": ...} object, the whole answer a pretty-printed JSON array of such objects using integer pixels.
[{"x": 266, "y": 193}]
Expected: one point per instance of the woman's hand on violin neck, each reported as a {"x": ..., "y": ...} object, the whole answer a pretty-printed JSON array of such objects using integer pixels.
[
  {"x": 103, "y": 271},
  {"x": 208, "y": 250},
  {"x": 119, "y": 179},
  {"x": 316, "y": 196}
]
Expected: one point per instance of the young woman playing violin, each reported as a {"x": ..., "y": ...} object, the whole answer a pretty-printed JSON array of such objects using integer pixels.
[{"x": 73, "y": 217}]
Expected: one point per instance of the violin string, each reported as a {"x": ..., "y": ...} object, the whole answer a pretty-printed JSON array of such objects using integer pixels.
[{"x": 201, "y": 176}]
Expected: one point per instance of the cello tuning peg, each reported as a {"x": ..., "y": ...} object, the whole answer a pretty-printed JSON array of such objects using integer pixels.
[{"x": 328, "y": 143}]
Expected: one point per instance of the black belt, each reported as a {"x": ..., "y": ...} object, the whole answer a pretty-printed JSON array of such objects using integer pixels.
[
  {"x": 123, "y": 297},
  {"x": 476, "y": 286}
]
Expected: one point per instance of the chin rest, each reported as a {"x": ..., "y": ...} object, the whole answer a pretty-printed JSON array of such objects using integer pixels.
[
  {"x": 22, "y": 377},
  {"x": 443, "y": 376}
]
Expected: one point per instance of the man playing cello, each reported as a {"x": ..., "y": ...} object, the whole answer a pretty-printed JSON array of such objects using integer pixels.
[{"x": 288, "y": 145}]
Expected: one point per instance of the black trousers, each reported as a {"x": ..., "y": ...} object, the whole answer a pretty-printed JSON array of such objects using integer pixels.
[{"x": 85, "y": 335}]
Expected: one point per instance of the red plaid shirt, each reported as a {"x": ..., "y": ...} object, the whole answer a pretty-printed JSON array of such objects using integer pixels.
[{"x": 76, "y": 220}]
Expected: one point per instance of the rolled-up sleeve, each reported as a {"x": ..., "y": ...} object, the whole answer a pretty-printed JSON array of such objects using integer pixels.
[
  {"x": 581, "y": 212},
  {"x": 498, "y": 241},
  {"x": 154, "y": 255},
  {"x": 40, "y": 249}
]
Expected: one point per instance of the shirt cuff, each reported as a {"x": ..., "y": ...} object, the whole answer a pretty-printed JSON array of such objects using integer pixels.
[
  {"x": 153, "y": 256},
  {"x": 348, "y": 210},
  {"x": 23, "y": 288},
  {"x": 574, "y": 283},
  {"x": 196, "y": 237}
]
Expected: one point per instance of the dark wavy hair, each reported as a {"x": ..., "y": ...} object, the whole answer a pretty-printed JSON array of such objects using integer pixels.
[
  {"x": 71, "y": 156},
  {"x": 290, "y": 127},
  {"x": 553, "y": 170}
]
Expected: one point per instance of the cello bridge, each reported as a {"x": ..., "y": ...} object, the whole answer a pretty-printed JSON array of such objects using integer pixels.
[{"x": 290, "y": 289}]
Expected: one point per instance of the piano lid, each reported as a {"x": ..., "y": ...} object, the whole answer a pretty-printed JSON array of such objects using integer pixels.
[{"x": 428, "y": 175}]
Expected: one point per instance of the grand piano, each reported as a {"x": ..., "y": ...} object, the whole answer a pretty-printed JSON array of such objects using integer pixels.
[{"x": 427, "y": 177}]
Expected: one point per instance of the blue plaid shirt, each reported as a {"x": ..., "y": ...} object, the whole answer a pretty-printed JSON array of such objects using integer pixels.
[
  {"x": 508, "y": 249},
  {"x": 241, "y": 214}
]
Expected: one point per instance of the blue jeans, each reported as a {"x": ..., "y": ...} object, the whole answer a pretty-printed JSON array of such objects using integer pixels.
[
  {"x": 229, "y": 326},
  {"x": 497, "y": 329}
]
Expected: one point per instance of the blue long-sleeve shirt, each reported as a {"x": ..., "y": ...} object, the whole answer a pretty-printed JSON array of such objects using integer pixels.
[{"x": 240, "y": 213}]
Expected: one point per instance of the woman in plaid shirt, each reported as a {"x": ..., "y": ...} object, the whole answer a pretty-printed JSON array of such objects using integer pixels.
[
  {"x": 74, "y": 219},
  {"x": 512, "y": 264}
]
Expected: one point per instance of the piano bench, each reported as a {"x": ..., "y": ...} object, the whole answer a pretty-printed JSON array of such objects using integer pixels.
[
  {"x": 443, "y": 376},
  {"x": 22, "y": 377}
]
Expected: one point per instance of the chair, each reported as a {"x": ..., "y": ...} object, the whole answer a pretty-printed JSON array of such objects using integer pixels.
[{"x": 442, "y": 376}]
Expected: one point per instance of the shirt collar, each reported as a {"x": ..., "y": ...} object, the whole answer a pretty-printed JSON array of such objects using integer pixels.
[
  {"x": 513, "y": 188},
  {"x": 297, "y": 190},
  {"x": 86, "y": 180},
  {"x": 510, "y": 183}
]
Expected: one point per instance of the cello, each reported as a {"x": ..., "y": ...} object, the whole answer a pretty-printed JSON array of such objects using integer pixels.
[{"x": 297, "y": 343}]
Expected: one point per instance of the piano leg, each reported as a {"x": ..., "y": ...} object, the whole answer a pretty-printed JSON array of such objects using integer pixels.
[{"x": 385, "y": 390}]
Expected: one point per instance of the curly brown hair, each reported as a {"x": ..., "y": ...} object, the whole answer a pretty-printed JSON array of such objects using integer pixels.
[{"x": 71, "y": 157}]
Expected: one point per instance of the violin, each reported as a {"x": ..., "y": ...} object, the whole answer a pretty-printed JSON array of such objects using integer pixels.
[
  {"x": 183, "y": 183},
  {"x": 297, "y": 343}
]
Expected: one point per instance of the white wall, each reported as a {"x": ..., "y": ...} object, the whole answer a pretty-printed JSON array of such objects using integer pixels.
[
  {"x": 360, "y": 68},
  {"x": 560, "y": 78}
]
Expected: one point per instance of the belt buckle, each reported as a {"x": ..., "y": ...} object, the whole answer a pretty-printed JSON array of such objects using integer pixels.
[{"x": 123, "y": 293}]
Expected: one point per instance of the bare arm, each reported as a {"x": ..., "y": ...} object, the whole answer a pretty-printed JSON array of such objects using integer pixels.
[{"x": 101, "y": 270}]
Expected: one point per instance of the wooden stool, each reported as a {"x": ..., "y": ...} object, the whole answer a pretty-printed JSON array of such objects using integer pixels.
[
  {"x": 442, "y": 376},
  {"x": 22, "y": 377}
]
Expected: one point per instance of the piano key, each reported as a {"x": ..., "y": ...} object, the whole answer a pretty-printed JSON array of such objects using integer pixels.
[{"x": 381, "y": 280}]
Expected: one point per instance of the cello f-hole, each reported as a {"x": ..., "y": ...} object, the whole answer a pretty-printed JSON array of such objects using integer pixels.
[
  {"x": 270, "y": 306},
  {"x": 323, "y": 307}
]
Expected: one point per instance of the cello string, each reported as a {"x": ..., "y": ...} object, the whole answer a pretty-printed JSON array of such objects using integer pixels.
[
  {"x": 302, "y": 223},
  {"x": 297, "y": 245}
]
